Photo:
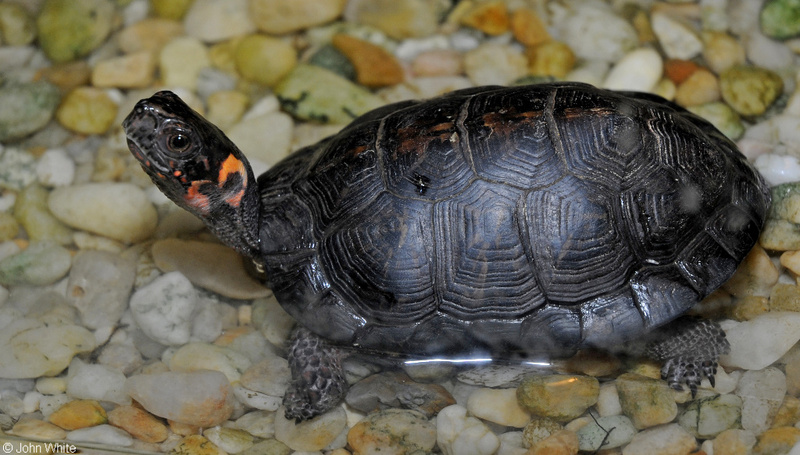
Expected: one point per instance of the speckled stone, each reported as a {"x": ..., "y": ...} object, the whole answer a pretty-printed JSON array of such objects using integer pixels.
[
  {"x": 40, "y": 264},
  {"x": 196, "y": 444},
  {"x": 69, "y": 29},
  {"x": 17, "y": 168},
  {"x": 26, "y": 108},
  {"x": 395, "y": 389},
  {"x": 164, "y": 308},
  {"x": 606, "y": 432},
  {"x": 538, "y": 429},
  {"x": 648, "y": 402},
  {"x": 393, "y": 431},
  {"x": 750, "y": 90},
  {"x": 562, "y": 442},
  {"x": 707, "y": 417},
  {"x": 560, "y": 397},
  {"x": 313, "y": 93}
]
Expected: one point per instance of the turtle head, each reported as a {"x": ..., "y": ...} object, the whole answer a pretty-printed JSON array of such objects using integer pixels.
[{"x": 193, "y": 163}]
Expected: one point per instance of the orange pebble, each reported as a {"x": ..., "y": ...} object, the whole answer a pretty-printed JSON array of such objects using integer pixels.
[
  {"x": 375, "y": 67},
  {"x": 679, "y": 70}
]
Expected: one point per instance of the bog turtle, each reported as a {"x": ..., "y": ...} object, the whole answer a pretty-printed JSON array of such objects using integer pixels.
[{"x": 492, "y": 221}]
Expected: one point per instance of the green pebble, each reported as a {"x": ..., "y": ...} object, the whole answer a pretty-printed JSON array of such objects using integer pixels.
[
  {"x": 30, "y": 210},
  {"x": 9, "y": 227},
  {"x": 16, "y": 26},
  {"x": 706, "y": 418},
  {"x": 313, "y": 93},
  {"x": 331, "y": 59},
  {"x": 40, "y": 264},
  {"x": 780, "y": 19},
  {"x": 17, "y": 168},
  {"x": 722, "y": 117},
  {"x": 750, "y": 90},
  {"x": 268, "y": 447},
  {"x": 70, "y": 29},
  {"x": 26, "y": 108}
]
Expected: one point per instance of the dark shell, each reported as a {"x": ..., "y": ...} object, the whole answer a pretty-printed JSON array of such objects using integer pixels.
[{"x": 508, "y": 220}]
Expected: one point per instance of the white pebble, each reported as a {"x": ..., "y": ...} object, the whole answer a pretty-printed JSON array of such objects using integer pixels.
[
  {"x": 768, "y": 53},
  {"x": 594, "y": 32},
  {"x": 778, "y": 169},
  {"x": 457, "y": 434},
  {"x": 30, "y": 402},
  {"x": 257, "y": 400},
  {"x": 762, "y": 393},
  {"x": 101, "y": 434},
  {"x": 55, "y": 168},
  {"x": 265, "y": 137},
  {"x": 96, "y": 382},
  {"x": 757, "y": 343},
  {"x": 608, "y": 400},
  {"x": 638, "y": 70},
  {"x": 494, "y": 64},
  {"x": 677, "y": 40},
  {"x": 212, "y": 21},
  {"x": 164, "y": 308}
]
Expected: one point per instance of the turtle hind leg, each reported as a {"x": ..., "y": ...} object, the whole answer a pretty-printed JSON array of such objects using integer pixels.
[
  {"x": 318, "y": 380},
  {"x": 690, "y": 348}
]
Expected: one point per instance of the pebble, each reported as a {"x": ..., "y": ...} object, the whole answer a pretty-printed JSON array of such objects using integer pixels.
[
  {"x": 767, "y": 53},
  {"x": 395, "y": 389},
  {"x": 212, "y": 266},
  {"x": 201, "y": 398},
  {"x": 495, "y": 375},
  {"x": 17, "y": 28},
  {"x": 648, "y": 402},
  {"x": 267, "y": 138},
  {"x": 9, "y": 227},
  {"x": 750, "y": 90},
  {"x": 499, "y": 406},
  {"x": 139, "y": 423},
  {"x": 264, "y": 59},
  {"x": 594, "y": 32},
  {"x": 607, "y": 432},
  {"x": 562, "y": 442},
  {"x": 676, "y": 38},
  {"x": 198, "y": 356},
  {"x": 31, "y": 210},
  {"x": 95, "y": 382},
  {"x": 136, "y": 70},
  {"x": 272, "y": 320},
  {"x": 55, "y": 168},
  {"x": 87, "y": 110},
  {"x": 149, "y": 34},
  {"x": 174, "y": 10},
  {"x": 180, "y": 60},
  {"x": 722, "y": 51},
  {"x": 494, "y": 64},
  {"x": 40, "y": 264},
  {"x": 759, "y": 342},
  {"x": 211, "y": 21},
  {"x": 399, "y": 19},
  {"x": 538, "y": 429},
  {"x": 560, "y": 397},
  {"x": 436, "y": 63},
  {"x": 639, "y": 70},
  {"x": 458, "y": 434},
  {"x": 257, "y": 423},
  {"x": 393, "y": 431},
  {"x": 608, "y": 400},
  {"x": 722, "y": 117},
  {"x": 163, "y": 309},
  {"x": 734, "y": 442},
  {"x": 196, "y": 444},
  {"x": 778, "y": 441},
  {"x": 38, "y": 429},
  {"x": 552, "y": 58},
  {"x": 374, "y": 66},
  {"x": 72, "y": 29},
  {"x": 779, "y": 19},
  {"x": 278, "y": 17},
  {"x": 670, "y": 439},
  {"x": 762, "y": 393},
  {"x": 120, "y": 211},
  {"x": 313, "y": 93},
  {"x": 17, "y": 168},
  {"x": 700, "y": 88},
  {"x": 101, "y": 434},
  {"x": 528, "y": 28},
  {"x": 25, "y": 108},
  {"x": 79, "y": 414},
  {"x": 230, "y": 440},
  {"x": 756, "y": 274},
  {"x": 34, "y": 351},
  {"x": 707, "y": 417},
  {"x": 310, "y": 435},
  {"x": 99, "y": 285},
  {"x": 489, "y": 17}
]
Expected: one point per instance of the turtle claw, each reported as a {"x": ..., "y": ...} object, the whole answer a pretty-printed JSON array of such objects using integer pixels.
[{"x": 690, "y": 371}]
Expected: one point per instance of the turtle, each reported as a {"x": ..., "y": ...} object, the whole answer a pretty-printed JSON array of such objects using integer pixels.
[{"x": 488, "y": 222}]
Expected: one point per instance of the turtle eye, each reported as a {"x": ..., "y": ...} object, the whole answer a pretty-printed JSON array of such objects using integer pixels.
[{"x": 178, "y": 142}]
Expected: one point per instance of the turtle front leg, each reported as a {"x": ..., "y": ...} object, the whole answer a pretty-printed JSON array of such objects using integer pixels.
[
  {"x": 318, "y": 379},
  {"x": 690, "y": 348}
]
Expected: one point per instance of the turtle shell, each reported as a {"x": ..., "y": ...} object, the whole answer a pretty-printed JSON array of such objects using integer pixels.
[{"x": 502, "y": 220}]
